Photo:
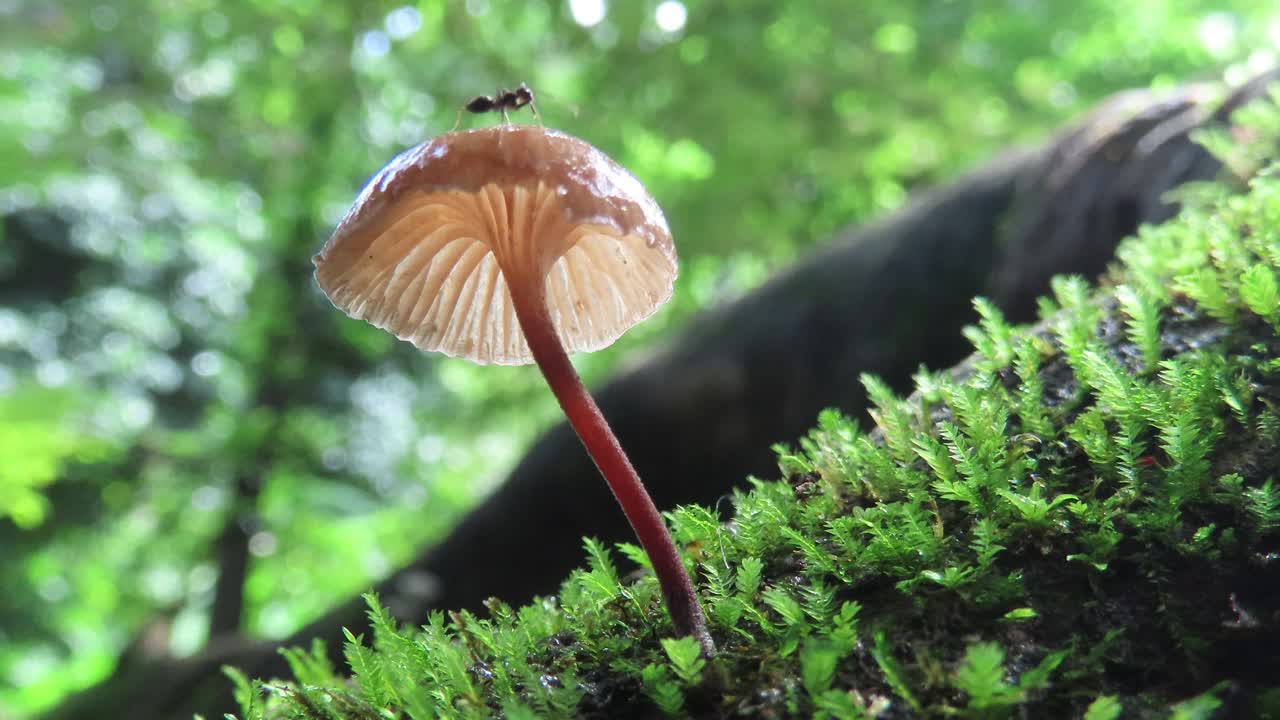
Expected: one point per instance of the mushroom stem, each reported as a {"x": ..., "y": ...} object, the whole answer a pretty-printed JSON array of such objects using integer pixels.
[{"x": 603, "y": 447}]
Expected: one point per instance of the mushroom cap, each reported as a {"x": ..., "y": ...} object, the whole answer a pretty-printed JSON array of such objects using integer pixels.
[{"x": 437, "y": 240}]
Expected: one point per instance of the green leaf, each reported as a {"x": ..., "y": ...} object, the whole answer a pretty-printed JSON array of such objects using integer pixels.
[
  {"x": 749, "y": 577},
  {"x": 601, "y": 581},
  {"x": 1263, "y": 505},
  {"x": 1201, "y": 707},
  {"x": 1020, "y": 614},
  {"x": 311, "y": 668},
  {"x": 981, "y": 676},
  {"x": 893, "y": 672},
  {"x": 1032, "y": 507},
  {"x": 636, "y": 554},
  {"x": 992, "y": 339},
  {"x": 665, "y": 692},
  {"x": 1144, "y": 323},
  {"x": 686, "y": 658},
  {"x": 246, "y": 694},
  {"x": 785, "y": 605},
  {"x": 368, "y": 670},
  {"x": 951, "y": 578},
  {"x": 1259, "y": 291},
  {"x": 1038, "y": 677},
  {"x": 1105, "y": 707},
  {"x": 818, "y": 661},
  {"x": 1206, "y": 288}
]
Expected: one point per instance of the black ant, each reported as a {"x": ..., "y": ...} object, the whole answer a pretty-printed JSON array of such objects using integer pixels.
[{"x": 503, "y": 102}]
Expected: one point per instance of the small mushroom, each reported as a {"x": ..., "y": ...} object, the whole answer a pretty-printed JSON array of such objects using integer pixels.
[{"x": 517, "y": 244}]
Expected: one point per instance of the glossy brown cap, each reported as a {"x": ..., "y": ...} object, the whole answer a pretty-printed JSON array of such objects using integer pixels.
[{"x": 438, "y": 237}]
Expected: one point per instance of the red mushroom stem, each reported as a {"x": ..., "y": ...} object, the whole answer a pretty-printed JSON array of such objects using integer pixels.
[{"x": 603, "y": 447}]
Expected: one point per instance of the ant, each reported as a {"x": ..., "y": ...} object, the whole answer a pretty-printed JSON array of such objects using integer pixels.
[{"x": 502, "y": 101}]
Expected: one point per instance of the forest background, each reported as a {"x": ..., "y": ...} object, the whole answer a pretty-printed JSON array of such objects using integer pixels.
[{"x": 170, "y": 376}]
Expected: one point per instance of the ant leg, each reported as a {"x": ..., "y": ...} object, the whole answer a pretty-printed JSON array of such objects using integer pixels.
[
  {"x": 505, "y": 120},
  {"x": 534, "y": 109},
  {"x": 457, "y": 121}
]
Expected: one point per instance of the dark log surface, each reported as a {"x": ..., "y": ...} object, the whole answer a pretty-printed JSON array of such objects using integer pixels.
[{"x": 700, "y": 415}]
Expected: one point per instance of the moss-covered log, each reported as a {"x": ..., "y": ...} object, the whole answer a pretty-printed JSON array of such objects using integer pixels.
[{"x": 1083, "y": 521}]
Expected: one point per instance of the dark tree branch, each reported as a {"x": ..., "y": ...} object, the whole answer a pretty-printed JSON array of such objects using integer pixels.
[{"x": 232, "y": 549}]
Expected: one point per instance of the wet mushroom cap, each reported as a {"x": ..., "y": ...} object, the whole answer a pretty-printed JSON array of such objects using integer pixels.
[{"x": 438, "y": 238}]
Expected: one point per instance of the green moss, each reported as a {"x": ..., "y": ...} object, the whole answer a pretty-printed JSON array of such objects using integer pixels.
[{"x": 1080, "y": 523}]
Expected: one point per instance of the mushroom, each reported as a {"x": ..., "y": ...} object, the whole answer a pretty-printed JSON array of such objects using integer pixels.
[{"x": 515, "y": 244}]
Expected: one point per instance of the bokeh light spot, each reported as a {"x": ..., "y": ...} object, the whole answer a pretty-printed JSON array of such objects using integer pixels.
[
  {"x": 587, "y": 13},
  {"x": 375, "y": 43},
  {"x": 671, "y": 16},
  {"x": 263, "y": 544},
  {"x": 1218, "y": 33},
  {"x": 403, "y": 22}
]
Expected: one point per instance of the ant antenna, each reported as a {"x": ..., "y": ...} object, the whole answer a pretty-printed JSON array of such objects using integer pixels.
[{"x": 524, "y": 96}]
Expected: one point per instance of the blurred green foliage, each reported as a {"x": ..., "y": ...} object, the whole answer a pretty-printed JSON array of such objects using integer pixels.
[{"x": 166, "y": 170}]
